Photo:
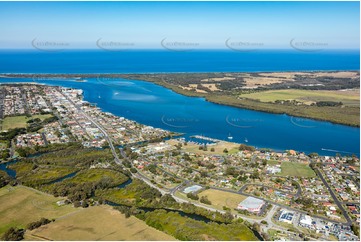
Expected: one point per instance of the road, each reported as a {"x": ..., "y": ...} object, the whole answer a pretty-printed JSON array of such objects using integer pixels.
[
  {"x": 296, "y": 195},
  {"x": 78, "y": 107},
  {"x": 278, "y": 204},
  {"x": 333, "y": 195},
  {"x": 140, "y": 176}
]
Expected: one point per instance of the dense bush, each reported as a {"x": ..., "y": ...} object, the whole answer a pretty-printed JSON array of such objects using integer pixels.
[
  {"x": 205, "y": 200},
  {"x": 192, "y": 196},
  {"x": 13, "y": 234},
  {"x": 246, "y": 147},
  {"x": 37, "y": 224},
  {"x": 4, "y": 179}
]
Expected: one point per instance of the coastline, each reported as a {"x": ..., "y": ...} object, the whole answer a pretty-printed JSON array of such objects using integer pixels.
[
  {"x": 249, "y": 104},
  {"x": 310, "y": 112},
  {"x": 177, "y": 134}
]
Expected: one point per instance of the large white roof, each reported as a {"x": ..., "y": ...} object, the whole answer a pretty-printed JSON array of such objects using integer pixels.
[{"x": 251, "y": 203}]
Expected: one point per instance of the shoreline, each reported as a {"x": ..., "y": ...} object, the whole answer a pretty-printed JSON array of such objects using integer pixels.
[
  {"x": 316, "y": 113},
  {"x": 175, "y": 135},
  {"x": 119, "y": 74},
  {"x": 212, "y": 98}
]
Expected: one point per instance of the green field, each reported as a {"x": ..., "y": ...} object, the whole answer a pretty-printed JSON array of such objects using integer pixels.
[
  {"x": 220, "y": 198},
  {"x": 349, "y": 98},
  {"x": 296, "y": 169},
  {"x": 348, "y": 115},
  {"x": 22, "y": 205},
  {"x": 97, "y": 223},
  {"x": 272, "y": 162},
  {"x": 20, "y": 121},
  {"x": 218, "y": 147}
]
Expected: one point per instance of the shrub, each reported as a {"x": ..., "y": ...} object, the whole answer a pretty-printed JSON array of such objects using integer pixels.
[
  {"x": 13, "y": 234},
  {"x": 37, "y": 224},
  {"x": 205, "y": 200},
  {"x": 192, "y": 196}
]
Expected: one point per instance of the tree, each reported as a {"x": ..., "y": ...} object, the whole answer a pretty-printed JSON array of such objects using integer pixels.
[
  {"x": 313, "y": 155},
  {"x": 231, "y": 171},
  {"x": 192, "y": 196},
  {"x": 204, "y": 174},
  {"x": 246, "y": 147},
  {"x": 205, "y": 200},
  {"x": 37, "y": 224},
  {"x": 228, "y": 217},
  {"x": 152, "y": 168},
  {"x": 355, "y": 229},
  {"x": 84, "y": 204},
  {"x": 77, "y": 204},
  {"x": 212, "y": 149},
  {"x": 256, "y": 227},
  {"x": 13, "y": 234},
  {"x": 225, "y": 150}
]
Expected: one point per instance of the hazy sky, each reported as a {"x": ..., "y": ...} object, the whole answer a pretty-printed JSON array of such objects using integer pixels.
[{"x": 200, "y": 24}]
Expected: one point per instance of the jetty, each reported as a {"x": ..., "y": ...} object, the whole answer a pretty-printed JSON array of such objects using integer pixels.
[{"x": 206, "y": 138}]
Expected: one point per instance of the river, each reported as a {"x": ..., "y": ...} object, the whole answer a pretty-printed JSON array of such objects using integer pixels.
[{"x": 154, "y": 105}]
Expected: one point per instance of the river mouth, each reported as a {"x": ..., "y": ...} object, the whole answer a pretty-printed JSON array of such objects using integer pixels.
[{"x": 195, "y": 116}]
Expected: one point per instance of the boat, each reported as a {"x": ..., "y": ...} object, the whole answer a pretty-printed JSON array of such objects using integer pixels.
[
  {"x": 229, "y": 136},
  {"x": 246, "y": 140}
]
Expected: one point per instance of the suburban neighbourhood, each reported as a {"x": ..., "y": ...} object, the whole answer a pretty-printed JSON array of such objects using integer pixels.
[{"x": 291, "y": 195}]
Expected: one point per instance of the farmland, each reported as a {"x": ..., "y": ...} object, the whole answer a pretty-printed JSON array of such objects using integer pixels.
[
  {"x": 97, "y": 223},
  {"x": 348, "y": 97},
  {"x": 22, "y": 205},
  {"x": 258, "y": 91}
]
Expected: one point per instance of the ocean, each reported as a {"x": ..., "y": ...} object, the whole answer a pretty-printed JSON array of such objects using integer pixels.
[
  {"x": 158, "y": 61},
  {"x": 157, "y": 106}
]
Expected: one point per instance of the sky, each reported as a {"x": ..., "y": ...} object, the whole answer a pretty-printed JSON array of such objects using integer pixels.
[{"x": 153, "y": 25}]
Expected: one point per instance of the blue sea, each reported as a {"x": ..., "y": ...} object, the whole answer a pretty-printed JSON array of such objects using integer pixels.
[
  {"x": 157, "y": 106},
  {"x": 151, "y": 61}
]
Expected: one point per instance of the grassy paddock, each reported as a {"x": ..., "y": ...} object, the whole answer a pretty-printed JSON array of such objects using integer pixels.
[
  {"x": 220, "y": 198},
  {"x": 218, "y": 148},
  {"x": 348, "y": 115},
  {"x": 20, "y": 121},
  {"x": 350, "y": 98},
  {"x": 98, "y": 223},
  {"x": 296, "y": 169},
  {"x": 22, "y": 205}
]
